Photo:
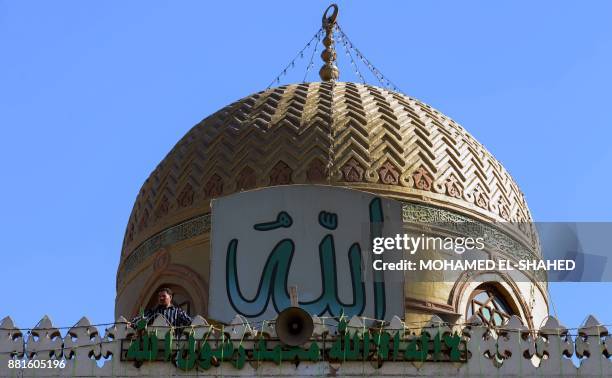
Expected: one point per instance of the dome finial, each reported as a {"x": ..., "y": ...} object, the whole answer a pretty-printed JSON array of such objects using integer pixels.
[{"x": 329, "y": 71}]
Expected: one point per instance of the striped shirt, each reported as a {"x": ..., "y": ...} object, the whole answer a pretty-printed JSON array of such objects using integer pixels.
[{"x": 175, "y": 316}]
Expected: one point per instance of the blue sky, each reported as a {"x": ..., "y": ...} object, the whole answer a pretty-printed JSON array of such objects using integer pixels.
[{"x": 94, "y": 94}]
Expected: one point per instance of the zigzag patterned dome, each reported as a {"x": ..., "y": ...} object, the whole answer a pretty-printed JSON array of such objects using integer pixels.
[{"x": 334, "y": 133}]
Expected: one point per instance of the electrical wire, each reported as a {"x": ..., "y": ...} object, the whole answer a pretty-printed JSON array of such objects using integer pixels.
[
  {"x": 300, "y": 54},
  {"x": 375, "y": 71}
]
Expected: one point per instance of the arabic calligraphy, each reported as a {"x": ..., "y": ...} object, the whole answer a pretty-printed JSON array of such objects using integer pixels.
[
  {"x": 143, "y": 348},
  {"x": 273, "y": 280},
  {"x": 356, "y": 345},
  {"x": 282, "y": 220},
  {"x": 328, "y": 220}
]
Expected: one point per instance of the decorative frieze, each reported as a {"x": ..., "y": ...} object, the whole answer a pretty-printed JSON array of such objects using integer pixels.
[
  {"x": 411, "y": 213},
  {"x": 183, "y": 231},
  {"x": 353, "y": 347}
]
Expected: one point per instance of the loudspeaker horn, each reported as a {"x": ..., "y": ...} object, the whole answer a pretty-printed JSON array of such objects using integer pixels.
[{"x": 294, "y": 326}]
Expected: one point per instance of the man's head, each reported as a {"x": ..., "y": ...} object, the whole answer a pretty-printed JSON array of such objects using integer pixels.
[{"x": 165, "y": 297}]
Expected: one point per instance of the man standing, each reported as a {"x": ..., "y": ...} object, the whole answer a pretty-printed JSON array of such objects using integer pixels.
[{"x": 175, "y": 316}]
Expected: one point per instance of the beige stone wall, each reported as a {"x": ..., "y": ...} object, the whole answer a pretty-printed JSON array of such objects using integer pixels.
[{"x": 184, "y": 264}]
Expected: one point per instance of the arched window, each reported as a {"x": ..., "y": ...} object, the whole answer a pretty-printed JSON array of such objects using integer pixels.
[{"x": 490, "y": 305}]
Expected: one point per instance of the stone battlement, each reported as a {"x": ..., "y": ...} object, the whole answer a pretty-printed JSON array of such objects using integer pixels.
[{"x": 355, "y": 347}]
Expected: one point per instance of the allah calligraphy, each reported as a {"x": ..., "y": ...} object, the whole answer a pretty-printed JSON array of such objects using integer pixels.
[{"x": 273, "y": 282}]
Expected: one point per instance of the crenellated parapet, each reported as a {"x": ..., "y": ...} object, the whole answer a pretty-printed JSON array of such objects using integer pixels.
[{"x": 351, "y": 347}]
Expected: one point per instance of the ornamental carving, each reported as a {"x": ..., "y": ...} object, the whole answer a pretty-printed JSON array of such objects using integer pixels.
[
  {"x": 280, "y": 174},
  {"x": 463, "y": 225},
  {"x": 149, "y": 247},
  {"x": 480, "y": 197},
  {"x": 214, "y": 187},
  {"x": 453, "y": 189},
  {"x": 504, "y": 209},
  {"x": 422, "y": 179},
  {"x": 246, "y": 179},
  {"x": 316, "y": 171},
  {"x": 162, "y": 208},
  {"x": 353, "y": 171},
  {"x": 388, "y": 174},
  {"x": 186, "y": 197},
  {"x": 162, "y": 260},
  {"x": 144, "y": 219},
  {"x": 330, "y": 134}
]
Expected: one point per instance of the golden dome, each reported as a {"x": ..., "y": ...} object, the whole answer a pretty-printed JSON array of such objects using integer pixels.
[{"x": 337, "y": 133}]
